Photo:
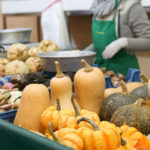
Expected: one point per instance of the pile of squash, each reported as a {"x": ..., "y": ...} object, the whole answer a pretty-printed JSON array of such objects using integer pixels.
[
  {"x": 128, "y": 104},
  {"x": 72, "y": 118}
]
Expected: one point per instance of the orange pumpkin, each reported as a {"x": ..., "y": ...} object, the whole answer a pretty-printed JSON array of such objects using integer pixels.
[
  {"x": 106, "y": 136},
  {"x": 66, "y": 121},
  {"x": 134, "y": 138},
  {"x": 53, "y": 113},
  {"x": 66, "y": 136}
]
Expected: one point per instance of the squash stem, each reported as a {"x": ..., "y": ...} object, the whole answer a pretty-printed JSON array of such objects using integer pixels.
[
  {"x": 140, "y": 102},
  {"x": 144, "y": 78},
  {"x": 87, "y": 67},
  {"x": 52, "y": 133},
  {"x": 123, "y": 142},
  {"x": 58, "y": 104},
  {"x": 91, "y": 122},
  {"x": 75, "y": 106},
  {"x": 58, "y": 70},
  {"x": 123, "y": 87}
]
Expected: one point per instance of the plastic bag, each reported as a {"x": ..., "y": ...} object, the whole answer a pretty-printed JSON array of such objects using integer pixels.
[{"x": 54, "y": 25}]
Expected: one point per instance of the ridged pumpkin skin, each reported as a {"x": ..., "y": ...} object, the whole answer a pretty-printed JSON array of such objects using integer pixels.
[
  {"x": 66, "y": 121},
  {"x": 61, "y": 87},
  {"x": 35, "y": 99},
  {"x": 71, "y": 121},
  {"x": 115, "y": 100},
  {"x": 134, "y": 139},
  {"x": 135, "y": 115},
  {"x": 141, "y": 92},
  {"x": 89, "y": 88},
  {"x": 52, "y": 114},
  {"x": 107, "y": 137},
  {"x": 68, "y": 137}
]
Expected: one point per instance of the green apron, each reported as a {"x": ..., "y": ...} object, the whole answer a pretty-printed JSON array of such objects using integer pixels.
[{"x": 103, "y": 33}]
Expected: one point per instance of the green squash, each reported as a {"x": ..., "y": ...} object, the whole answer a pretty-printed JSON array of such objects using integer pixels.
[
  {"x": 115, "y": 100},
  {"x": 135, "y": 115}
]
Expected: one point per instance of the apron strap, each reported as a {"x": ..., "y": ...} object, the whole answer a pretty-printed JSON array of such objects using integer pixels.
[{"x": 115, "y": 11}]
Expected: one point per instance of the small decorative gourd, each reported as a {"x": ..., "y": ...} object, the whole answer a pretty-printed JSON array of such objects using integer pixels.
[
  {"x": 66, "y": 136},
  {"x": 115, "y": 100},
  {"x": 66, "y": 121},
  {"x": 89, "y": 84},
  {"x": 35, "y": 99},
  {"x": 133, "y": 139},
  {"x": 61, "y": 87},
  {"x": 135, "y": 115},
  {"x": 53, "y": 113},
  {"x": 106, "y": 136}
]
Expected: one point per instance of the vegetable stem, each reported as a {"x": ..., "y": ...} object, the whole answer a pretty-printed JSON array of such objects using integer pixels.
[
  {"x": 87, "y": 67},
  {"x": 58, "y": 104},
  {"x": 123, "y": 87},
  {"x": 75, "y": 106},
  {"x": 144, "y": 78},
  {"x": 52, "y": 133},
  {"x": 91, "y": 122},
  {"x": 58, "y": 70}
]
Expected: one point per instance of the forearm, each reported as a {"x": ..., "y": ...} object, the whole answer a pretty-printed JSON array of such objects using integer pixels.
[
  {"x": 138, "y": 44},
  {"x": 89, "y": 48}
]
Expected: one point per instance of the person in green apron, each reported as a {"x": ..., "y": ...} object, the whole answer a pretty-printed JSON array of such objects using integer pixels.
[{"x": 117, "y": 32}]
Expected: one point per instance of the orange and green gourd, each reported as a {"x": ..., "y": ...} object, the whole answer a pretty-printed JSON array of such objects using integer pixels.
[
  {"x": 66, "y": 136},
  {"x": 106, "y": 136}
]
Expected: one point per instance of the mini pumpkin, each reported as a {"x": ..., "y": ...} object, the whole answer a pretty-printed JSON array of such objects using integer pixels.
[
  {"x": 53, "y": 113},
  {"x": 133, "y": 139},
  {"x": 71, "y": 121},
  {"x": 106, "y": 136},
  {"x": 135, "y": 115},
  {"x": 115, "y": 100},
  {"x": 67, "y": 136}
]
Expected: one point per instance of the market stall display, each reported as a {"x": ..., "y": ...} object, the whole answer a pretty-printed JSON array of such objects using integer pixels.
[{"x": 64, "y": 121}]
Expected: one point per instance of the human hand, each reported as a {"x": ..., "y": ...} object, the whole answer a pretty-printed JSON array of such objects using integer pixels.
[{"x": 114, "y": 47}]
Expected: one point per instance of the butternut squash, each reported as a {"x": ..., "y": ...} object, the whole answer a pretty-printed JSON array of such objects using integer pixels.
[
  {"x": 130, "y": 86},
  {"x": 35, "y": 99},
  {"x": 89, "y": 85},
  {"x": 61, "y": 88}
]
